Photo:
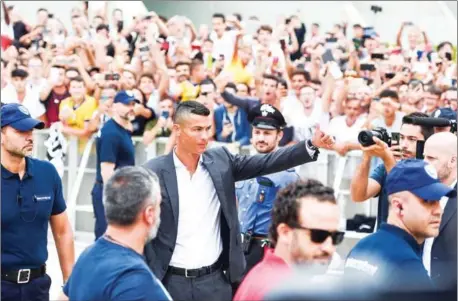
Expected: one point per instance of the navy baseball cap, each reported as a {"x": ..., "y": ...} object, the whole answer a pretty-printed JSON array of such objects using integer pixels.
[
  {"x": 124, "y": 97},
  {"x": 266, "y": 117},
  {"x": 18, "y": 117},
  {"x": 446, "y": 113},
  {"x": 419, "y": 178}
]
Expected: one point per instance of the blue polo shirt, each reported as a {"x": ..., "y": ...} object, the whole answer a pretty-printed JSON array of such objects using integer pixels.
[
  {"x": 108, "y": 271},
  {"x": 256, "y": 200},
  {"x": 27, "y": 206},
  {"x": 114, "y": 146},
  {"x": 379, "y": 174},
  {"x": 389, "y": 259}
]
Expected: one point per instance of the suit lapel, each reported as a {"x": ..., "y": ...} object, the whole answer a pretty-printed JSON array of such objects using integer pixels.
[
  {"x": 170, "y": 182},
  {"x": 449, "y": 211},
  {"x": 215, "y": 175}
]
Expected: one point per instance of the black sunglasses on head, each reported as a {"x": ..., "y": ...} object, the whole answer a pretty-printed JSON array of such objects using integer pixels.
[{"x": 319, "y": 236}]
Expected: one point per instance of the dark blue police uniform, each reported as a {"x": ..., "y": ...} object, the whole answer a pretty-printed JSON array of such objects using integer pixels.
[
  {"x": 391, "y": 258},
  {"x": 114, "y": 146},
  {"x": 256, "y": 196},
  {"x": 119, "y": 273},
  {"x": 27, "y": 205}
]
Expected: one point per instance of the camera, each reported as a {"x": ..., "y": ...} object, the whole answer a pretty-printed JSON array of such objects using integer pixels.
[
  {"x": 376, "y": 9},
  {"x": 365, "y": 137}
]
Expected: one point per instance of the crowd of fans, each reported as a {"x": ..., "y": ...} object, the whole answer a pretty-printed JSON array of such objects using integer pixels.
[{"x": 343, "y": 78}]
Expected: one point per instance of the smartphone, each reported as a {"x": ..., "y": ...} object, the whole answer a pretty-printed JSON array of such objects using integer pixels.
[
  {"x": 327, "y": 56},
  {"x": 454, "y": 82},
  {"x": 367, "y": 67},
  {"x": 165, "y": 114},
  {"x": 375, "y": 99},
  {"x": 420, "y": 149},
  {"x": 377, "y": 56},
  {"x": 408, "y": 23},
  {"x": 419, "y": 54},
  {"x": 308, "y": 58},
  {"x": 331, "y": 40},
  {"x": 448, "y": 56},
  {"x": 390, "y": 75},
  {"x": 144, "y": 48},
  {"x": 283, "y": 44},
  {"x": 395, "y": 137}
]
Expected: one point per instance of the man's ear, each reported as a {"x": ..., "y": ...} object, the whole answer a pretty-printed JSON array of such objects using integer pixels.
[
  {"x": 177, "y": 129},
  {"x": 279, "y": 136},
  {"x": 452, "y": 162}
]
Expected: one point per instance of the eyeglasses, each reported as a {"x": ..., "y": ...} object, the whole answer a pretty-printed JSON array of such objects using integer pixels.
[{"x": 319, "y": 236}]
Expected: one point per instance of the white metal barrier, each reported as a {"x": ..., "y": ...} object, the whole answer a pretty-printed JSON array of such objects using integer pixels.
[{"x": 330, "y": 168}]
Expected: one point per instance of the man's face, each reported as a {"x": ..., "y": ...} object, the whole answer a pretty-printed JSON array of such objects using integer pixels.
[
  {"x": 265, "y": 141},
  {"x": 307, "y": 97},
  {"x": 242, "y": 90},
  {"x": 125, "y": 112},
  {"x": 358, "y": 32},
  {"x": 146, "y": 85},
  {"x": 77, "y": 89},
  {"x": 431, "y": 101},
  {"x": 264, "y": 37},
  {"x": 42, "y": 17},
  {"x": 421, "y": 218},
  {"x": 19, "y": 84},
  {"x": 388, "y": 106},
  {"x": 207, "y": 96},
  {"x": 314, "y": 215},
  {"x": 269, "y": 88},
  {"x": 408, "y": 138},
  {"x": 403, "y": 93},
  {"x": 128, "y": 80},
  {"x": 297, "y": 82},
  {"x": 207, "y": 47},
  {"x": 218, "y": 25},
  {"x": 440, "y": 159},
  {"x": 183, "y": 73},
  {"x": 352, "y": 109},
  {"x": 199, "y": 73},
  {"x": 69, "y": 75},
  {"x": 193, "y": 133},
  {"x": 450, "y": 99},
  {"x": 61, "y": 77},
  {"x": 363, "y": 93},
  {"x": 281, "y": 91},
  {"x": 166, "y": 105},
  {"x": 16, "y": 143},
  {"x": 35, "y": 68}
]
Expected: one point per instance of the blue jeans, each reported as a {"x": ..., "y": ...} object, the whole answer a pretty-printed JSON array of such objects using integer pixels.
[
  {"x": 37, "y": 290},
  {"x": 99, "y": 210}
]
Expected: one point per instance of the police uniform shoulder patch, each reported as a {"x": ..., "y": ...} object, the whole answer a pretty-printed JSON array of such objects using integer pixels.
[
  {"x": 431, "y": 171},
  {"x": 23, "y": 110}
]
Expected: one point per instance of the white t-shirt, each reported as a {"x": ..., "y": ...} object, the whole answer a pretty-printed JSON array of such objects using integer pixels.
[
  {"x": 395, "y": 127},
  {"x": 303, "y": 125},
  {"x": 224, "y": 45},
  {"x": 31, "y": 100},
  {"x": 339, "y": 128}
]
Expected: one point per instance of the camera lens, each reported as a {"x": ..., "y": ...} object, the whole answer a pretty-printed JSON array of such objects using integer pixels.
[{"x": 365, "y": 138}]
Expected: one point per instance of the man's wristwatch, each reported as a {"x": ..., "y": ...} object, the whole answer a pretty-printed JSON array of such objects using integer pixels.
[{"x": 311, "y": 146}]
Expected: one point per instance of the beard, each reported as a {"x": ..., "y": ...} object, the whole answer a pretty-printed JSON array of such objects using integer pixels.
[{"x": 153, "y": 231}]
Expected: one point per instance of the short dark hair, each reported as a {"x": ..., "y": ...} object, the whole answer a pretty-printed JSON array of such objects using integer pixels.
[
  {"x": 246, "y": 85},
  {"x": 443, "y": 44},
  {"x": 77, "y": 79},
  {"x": 231, "y": 85},
  {"x": 116, "y": 9},
  {"x": 287, "y": 204},
  {"x": 208, "y": 81},
  {"x": 283, "y": 82},
  {"x": 195, "y": 63},
  {"x": 426, "y": 131},
  {"x": 190, "y": 107},
  {"x": 302, "y": 72},
  {"x": 431, "y": 89},
  {"x": 219, "y": 15},
  {"x": 127, "y": 192},
  {"x": 19, "y": 73},
  {"x": 270, "y": 76},
  {"x": 102, "y": 27},
  {"x": 357, "y": 26},
  {"x": 390, "y": 94},
  {"x": 238, "y": 16},
  {"x": 267, "y": 28},
  {"x": 42, "y": 9},
  {"x": 316, "y": 25},
  {"x": 182, "y": 63}
]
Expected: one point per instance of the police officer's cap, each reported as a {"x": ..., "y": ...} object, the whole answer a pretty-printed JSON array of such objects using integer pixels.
[
  {"x": 419, "y": 178},
  {"x": 18, "y": 117},
  {"x": 266, "y": 116}
]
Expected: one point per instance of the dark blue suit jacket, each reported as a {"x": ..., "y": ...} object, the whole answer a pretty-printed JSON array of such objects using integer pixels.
[{"x": 241, "y": 126}]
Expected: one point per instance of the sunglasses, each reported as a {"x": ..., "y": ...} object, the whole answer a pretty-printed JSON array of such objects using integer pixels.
[{"x": 319, "y": 236}]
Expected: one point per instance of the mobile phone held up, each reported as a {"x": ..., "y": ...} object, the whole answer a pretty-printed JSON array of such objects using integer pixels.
[
  {"x": 165, "y": 114},
  {"x": 367, "y": 67}
]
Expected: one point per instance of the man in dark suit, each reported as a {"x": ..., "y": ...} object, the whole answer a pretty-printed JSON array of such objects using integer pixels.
[
  {"x": 439, "y": 254},
  {"x": 197, "y": 252}
]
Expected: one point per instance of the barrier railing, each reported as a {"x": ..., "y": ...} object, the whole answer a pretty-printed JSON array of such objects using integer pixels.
[{"x": 80, "y": 168}]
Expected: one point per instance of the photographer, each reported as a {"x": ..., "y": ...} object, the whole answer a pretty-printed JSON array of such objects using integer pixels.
[{"x": 363, "y": 186}]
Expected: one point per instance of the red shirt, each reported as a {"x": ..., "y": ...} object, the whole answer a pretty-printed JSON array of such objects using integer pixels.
[
  {"x": 261, "y": 279},
  {"x": 52, "y": 104}
]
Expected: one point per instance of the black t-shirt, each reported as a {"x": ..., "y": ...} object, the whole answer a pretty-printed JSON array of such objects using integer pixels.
[
  {"x": 140, "y": 122},
  {"x": 19, "y": 29},
  {"x": 300, "y": 35}
]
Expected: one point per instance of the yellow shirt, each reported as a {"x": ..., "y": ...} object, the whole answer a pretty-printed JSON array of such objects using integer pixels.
[
  {"x": 82, "y": 114},
  {"x": 239, "y": 72},
  {"x": 188, "y": 91}
]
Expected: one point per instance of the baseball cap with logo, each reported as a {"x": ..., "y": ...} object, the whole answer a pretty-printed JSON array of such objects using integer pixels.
[
  {"x": 419, "y": 178},
  {"x": 124, "y": 97},
  {"x": 18, "y": 117}
]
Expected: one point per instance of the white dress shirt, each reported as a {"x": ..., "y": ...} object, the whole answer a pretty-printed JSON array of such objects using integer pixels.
[
  {"x": 198, "y": 241},
  {"x": 429, "y": 241},
  {"x": 31, "y": 100}
]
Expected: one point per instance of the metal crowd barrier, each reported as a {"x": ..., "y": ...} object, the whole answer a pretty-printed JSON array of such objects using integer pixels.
[{"x": 80, "y": 169}]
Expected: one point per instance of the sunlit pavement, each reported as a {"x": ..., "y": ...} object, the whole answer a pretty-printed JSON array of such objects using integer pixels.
[{"x": 82, "y": 241}]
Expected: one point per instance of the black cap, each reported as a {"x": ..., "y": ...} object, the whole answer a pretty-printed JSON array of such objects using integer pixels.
[{"x": 265, "y": 116}]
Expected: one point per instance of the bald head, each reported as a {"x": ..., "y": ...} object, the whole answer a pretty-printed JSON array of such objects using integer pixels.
[{"x": 440, "y": 151}]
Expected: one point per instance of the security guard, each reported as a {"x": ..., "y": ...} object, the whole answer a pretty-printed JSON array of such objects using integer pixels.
[
  {"x": 114, "y": 149},
  {"x": 31, "y": 199},
  {"x": 391, "y": 258},
  {"x": 256, "y": 196}
]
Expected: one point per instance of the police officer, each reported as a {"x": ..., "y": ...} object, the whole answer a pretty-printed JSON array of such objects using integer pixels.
[
  {"x": 115, "y": 149},
  {"x": 31, "y": 198},
  {"x": 391, "y": 258},
  {"x": 256, "y": 196}
]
